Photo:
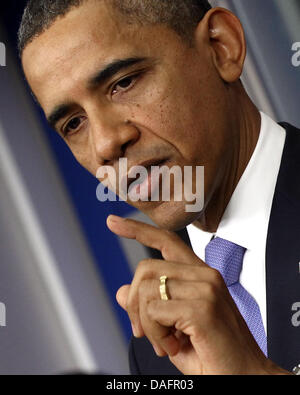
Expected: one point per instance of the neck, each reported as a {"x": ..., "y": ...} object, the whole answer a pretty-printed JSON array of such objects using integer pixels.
[{"x": 247, "y": 124}]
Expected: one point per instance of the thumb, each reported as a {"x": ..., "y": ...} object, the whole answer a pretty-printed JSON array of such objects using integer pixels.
[{"x": 122, "y": 296}]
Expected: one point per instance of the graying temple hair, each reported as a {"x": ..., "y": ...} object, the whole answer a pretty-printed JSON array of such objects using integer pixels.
[{"x": 180, "y": 15}]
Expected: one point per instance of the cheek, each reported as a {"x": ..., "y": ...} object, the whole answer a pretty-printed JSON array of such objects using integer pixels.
[
  {"x": 183, "y": 113},
  {"x": 200, "y": 125},
  {"x": 177, "y": 120}
]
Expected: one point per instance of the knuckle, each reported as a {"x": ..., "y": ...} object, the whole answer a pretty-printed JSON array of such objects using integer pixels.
[
  {"x": 146, "y": 289},
  {"x": 142, "y": 289},
  {"x": 211, "y": 292},
  {"x": 191, "y": 316},
  {"x": 143, "y": 264},
  {"x": 145, "y": 268},
  {"x": 151, "y": 309}
]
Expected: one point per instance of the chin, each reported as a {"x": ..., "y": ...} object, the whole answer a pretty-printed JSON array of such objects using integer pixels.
[{"x": 172, "y": 216}]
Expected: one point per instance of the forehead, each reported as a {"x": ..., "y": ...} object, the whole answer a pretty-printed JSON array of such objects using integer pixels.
[
  {"x": 60, "y": 61},
  {"x": 85, "y": 38}
]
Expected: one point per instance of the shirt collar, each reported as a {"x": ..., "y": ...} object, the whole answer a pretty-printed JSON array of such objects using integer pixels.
[{"x": 246, "y": 217}]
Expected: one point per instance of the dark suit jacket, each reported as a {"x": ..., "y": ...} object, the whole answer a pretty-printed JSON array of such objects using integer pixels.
[{"x": 282, "y": 273}]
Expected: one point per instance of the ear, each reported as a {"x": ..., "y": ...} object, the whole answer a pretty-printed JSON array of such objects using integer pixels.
[{"x": 224, "y": 34}]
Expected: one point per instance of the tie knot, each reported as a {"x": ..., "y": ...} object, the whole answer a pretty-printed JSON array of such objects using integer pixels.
[{"x": 226, "y": 257}]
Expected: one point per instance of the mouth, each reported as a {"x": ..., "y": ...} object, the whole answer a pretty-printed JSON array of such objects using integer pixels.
[{"x": 142, "y": 183}]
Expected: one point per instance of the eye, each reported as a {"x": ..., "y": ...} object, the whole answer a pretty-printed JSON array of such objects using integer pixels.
[
  {"x": 73, "y": 125},
  {"x": 124, "y": 84}
]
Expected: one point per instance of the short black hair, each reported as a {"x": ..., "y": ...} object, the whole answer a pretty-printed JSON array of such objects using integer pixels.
[{"x": 181, "y": 15}]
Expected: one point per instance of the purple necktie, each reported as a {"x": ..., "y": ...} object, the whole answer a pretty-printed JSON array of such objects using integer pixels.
[{"x": 227, "y": 258}]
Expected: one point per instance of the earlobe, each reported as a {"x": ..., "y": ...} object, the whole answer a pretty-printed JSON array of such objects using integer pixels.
[{"x": 225, "y": 35}]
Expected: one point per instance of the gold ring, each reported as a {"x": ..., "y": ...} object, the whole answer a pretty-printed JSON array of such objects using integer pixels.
[{"x": 163, "y": 288}]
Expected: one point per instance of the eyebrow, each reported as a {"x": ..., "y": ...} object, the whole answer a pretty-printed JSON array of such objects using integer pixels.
[
  {"x": 99, "y": 78},
  {"x": 111, "y": 69},
  {"x": 58, "y": 113}
]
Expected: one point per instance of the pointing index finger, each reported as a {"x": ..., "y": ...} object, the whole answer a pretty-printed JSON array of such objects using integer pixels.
[{"x": 168, "y": 243}]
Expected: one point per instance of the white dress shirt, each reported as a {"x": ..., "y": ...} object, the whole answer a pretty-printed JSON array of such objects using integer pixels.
[{"x": 246, "y": 219}]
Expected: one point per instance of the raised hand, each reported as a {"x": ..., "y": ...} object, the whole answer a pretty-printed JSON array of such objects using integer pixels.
[{"x": 199, "y": 327}]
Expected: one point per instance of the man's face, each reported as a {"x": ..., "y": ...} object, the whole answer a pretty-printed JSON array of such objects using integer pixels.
[{"x": 164, "y": 103}]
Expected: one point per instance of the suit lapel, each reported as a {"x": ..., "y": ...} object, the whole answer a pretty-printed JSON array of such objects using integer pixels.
[{"x": 282, "y": 259}]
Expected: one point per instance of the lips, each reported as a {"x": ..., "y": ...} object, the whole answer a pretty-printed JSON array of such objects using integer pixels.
[{"x": 131, "y": 176}]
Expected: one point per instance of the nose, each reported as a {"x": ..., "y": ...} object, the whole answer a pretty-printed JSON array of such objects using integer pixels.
[{"x": 111, "y": 137}]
